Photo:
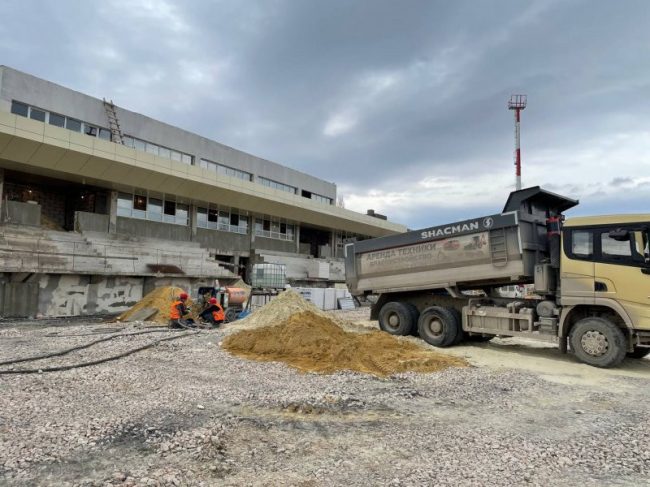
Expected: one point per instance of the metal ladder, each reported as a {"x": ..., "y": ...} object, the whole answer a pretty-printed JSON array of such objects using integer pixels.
[
  {"x": 113, "y": 122},
  {"x": 498, "y": 247}
]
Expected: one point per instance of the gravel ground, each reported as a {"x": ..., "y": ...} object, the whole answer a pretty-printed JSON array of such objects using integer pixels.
[{"x": 188, "y": 413}]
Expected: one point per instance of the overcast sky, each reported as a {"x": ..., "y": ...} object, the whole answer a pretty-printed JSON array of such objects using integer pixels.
[{"x": 401, "y": 103}]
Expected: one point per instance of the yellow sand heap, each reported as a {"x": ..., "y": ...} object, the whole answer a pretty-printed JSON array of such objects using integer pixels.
[
  {"x": 280, "y": 308},
  {"x": 160, "y": 299},
  {"x": 313, "y": 342}
]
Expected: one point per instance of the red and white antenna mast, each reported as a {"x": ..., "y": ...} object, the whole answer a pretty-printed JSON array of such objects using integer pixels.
[{"x": 517, "y": 103}]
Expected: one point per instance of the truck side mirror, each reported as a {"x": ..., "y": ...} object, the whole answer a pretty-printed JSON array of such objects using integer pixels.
[{"x": 620, "y": 235}]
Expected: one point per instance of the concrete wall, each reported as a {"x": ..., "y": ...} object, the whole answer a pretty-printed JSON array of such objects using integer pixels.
[
  {"x": 22, "y": 213},
  {"x": 90, "y": 222},
  {"x": 222, "y": 242},
  {"x": 55, "y": 295},
  {"x": 52, "y": 97},
  {"x": 149, "y": 229},
  {"x": 262, "y": 243}
]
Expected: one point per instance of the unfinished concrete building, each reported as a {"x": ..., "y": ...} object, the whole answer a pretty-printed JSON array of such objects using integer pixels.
[{"x": 100, "y": 204}]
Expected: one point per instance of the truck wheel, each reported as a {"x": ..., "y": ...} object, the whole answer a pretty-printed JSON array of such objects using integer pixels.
[
  {"x": 639, "y": 352},
  {"x": 460, "y": 337},
  {"x": 396, "y": 318},
  {"x": 438, "y": 326},
  {"x": 598, "y": 342},
  {"x": 415, "y": 315}
]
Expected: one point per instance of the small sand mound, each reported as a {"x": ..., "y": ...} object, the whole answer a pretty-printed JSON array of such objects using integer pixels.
[
  {"x": 278, "y": 310},
  {"x": 161, "y": 299},
  {"x": 313, "y": 342}
]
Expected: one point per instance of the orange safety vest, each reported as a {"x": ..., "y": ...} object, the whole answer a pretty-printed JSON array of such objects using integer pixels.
[
  {"x": 174, "y": 314},
  {"x": 218, "y": 315}
]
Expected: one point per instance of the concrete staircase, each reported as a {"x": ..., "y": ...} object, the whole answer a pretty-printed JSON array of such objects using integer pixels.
[{"x": 37, "y": 250}]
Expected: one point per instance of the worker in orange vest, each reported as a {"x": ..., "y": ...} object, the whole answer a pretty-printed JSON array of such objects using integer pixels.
[
  {"x": 213, "y": 314},
  {"x": 179, "y": 313}
]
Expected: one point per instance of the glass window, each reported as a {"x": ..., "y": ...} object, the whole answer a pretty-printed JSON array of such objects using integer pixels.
[
  {"x": 154, "y": 209},
  {"x": 140, "y": 203},
  {"x": 72, "y": 124},
  {"x": 170, "y": 207},
  {"x": 175, "y": 156},
  {"x": 615, "y": 248},
  {"x": 18, "y": 108},
  {"x": 90, "y": 130},
  {"x": 224, "y": 220},
  {"x": 234, "y": 219},
  {"x": 202, "y": 217},
  {"x": 152, "y": 148},
  {"x": 139, "y": 145},
  {"x": 36, "y": 114},
  {"x": 582, "y": 244},
  {"x": 182, "y": 213},
  {"x": 164, "y": 152},
  {"x": 186, "y": 159},
  {"x": 213, "y": 215},
  {"x": 267, "y": 225},
  {"x": 105, "y": 134},
  {"x": 243, "y": 223},
  {"x": 128, "y": 141},
  {"x": 57, "y": 120},
  {"x": 124, "y": 204}
]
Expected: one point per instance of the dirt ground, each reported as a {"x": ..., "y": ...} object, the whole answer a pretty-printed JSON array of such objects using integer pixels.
[{"x": 186, "y": 412}]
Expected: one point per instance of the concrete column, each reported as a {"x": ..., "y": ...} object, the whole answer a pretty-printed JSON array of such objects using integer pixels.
[
  {"x": 193, "y": 227},
  {"x": 112, "y": 212},
  {"x": 297, "y": 236},
  {"x": 2, "y": 195}
]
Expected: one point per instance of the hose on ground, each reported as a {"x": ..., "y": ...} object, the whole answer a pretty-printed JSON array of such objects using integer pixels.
[
  {"x": 98, "y": 361},
  {"x": 79, "y": 347}
]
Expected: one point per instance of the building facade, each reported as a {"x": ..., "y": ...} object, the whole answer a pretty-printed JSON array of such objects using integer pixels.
[{"x": 100, "y": 204}]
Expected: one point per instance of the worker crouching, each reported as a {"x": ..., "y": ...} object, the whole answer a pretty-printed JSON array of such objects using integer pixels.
[
  {"x": 179, "y": 315},
  {"x": 213, "y": 314}
]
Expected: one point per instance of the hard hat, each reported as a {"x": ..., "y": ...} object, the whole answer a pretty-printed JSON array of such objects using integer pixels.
[
  {"x": 213, "y": 300},
  {"x": 183, "y": 296}
]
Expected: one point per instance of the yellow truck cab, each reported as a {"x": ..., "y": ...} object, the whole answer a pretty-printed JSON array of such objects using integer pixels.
[{"x": 605, "y": 286}]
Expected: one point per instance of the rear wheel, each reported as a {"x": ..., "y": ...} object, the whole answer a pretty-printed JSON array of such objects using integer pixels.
[
  {"x": 438, "y": 326},
  {"x": 415, "y": 315},
  {"x": 396, "y": 318},
  {"x": 598, "y": 342},
  {"x": 639, "y": 352},
  {"x": 459, "y": 319}
]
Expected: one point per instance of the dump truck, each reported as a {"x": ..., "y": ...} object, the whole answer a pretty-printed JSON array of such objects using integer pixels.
[{"x": 590, "y": 278}]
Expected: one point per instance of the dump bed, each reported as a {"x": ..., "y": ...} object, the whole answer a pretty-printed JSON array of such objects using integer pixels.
[{"x": 493, "y": 250}]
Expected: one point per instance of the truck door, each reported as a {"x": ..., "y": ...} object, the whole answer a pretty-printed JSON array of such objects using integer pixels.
[
  {"x": 577, "y": 266},
  {"x": 621, "y": 270}
]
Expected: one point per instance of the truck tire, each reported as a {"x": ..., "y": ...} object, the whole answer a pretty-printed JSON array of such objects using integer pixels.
[
  {"x": 598, "y": 342},
  {"x": 415, "y": 315},
  {"x": 438, "y": 326},
  {"x": 639, "y": 352},
  {"x": 460, "y": 337},
  {"x": 396, "y": 318}
]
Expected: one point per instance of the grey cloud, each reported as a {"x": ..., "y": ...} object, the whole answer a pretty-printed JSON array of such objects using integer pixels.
[{"x": 270, "y": 74}]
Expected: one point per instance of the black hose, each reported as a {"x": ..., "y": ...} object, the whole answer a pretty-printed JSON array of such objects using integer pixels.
[
  {"x": 95, "y": 362},
  {"x": 80, "y": 347}
]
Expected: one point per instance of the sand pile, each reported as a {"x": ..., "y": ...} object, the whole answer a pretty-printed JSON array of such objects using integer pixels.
[
  {"x": 277, "y": 310},
  {"x": 160, "y": 299},
  {"x": 313, "y": 342}
]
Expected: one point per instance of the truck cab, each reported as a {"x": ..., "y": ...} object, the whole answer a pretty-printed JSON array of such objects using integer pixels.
[{"x": 605, "y": 277}]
